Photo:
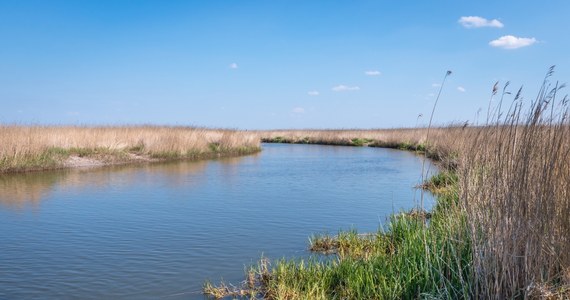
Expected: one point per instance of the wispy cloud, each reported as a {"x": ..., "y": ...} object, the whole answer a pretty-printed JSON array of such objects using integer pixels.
[
  {"x": 429, "y": 96},
  {"x": 461, "y": 89},
  {"x": 345, "y": 88},
  {"x": 373, "y": 73},
  {"x": 512, "y": 42},
  {"x": 233, "y": 66},
  {"x": 298, "y": 110},
  {"x": 477, "y": 22},
  {"x": 435, "y": 85},
  {"x": 313, "y": 93}
]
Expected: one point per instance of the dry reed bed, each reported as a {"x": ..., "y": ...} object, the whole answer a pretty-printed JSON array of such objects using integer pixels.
[
  {"x": 515, "y": 190},
  {"x": 25, "y": 148}
]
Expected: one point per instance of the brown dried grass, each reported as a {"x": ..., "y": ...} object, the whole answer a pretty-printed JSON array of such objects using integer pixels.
[{"x": 25, "y": 148}]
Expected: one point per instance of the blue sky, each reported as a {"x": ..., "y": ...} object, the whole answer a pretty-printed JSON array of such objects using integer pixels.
[{"x": 271, "y": 64}]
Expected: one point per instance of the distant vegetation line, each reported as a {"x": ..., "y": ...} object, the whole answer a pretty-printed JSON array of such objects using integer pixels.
[
  {"x": 33, "y": 148},
  {"x": 402, "y": 138}
]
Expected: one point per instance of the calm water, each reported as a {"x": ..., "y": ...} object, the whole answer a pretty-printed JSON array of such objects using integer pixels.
[{"x": 158, "y": 231}]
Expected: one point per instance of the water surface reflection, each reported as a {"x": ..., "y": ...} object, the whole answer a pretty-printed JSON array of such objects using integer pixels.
[
  {"x": 25, "y": 190},
  {"x": 160, "y": 230}
]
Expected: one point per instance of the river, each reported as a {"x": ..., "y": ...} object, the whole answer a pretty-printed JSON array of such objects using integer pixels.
[{"x": 159, "y": 230}]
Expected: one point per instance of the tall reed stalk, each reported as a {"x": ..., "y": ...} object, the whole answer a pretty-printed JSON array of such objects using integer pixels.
[{"x": 427, "y": 135}]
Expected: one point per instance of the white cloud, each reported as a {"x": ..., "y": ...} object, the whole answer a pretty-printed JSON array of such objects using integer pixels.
[
  {"x": 298, "y": 110},
  {"x": 461, "y": 89},
  {"x": 313, "y": 93},
  {"x": 373, "y": 73},
  {"x": 512, "y": 42},
  {"x": 435, "y": 85},
  {"x": 233, "y": 66},
  {"x": 344, "y": 88},
  {"x": 477, "y": 22}
]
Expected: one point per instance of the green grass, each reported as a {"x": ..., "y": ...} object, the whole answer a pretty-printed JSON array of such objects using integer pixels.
[
  {"x": 407, "y": 146},
  {"x": 410, "y": 260},
  {"x": 214, "y": 151},
  {"x": 278, "y": 140},
  {"x": 360, "y": 142},
  {"x": 442, "y": 182},
  {"x": 166, "y": 155},
  {"x": 48, "y": 159}
]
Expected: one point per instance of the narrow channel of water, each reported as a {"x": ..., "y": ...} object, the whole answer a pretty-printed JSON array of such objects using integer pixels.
[{"x": 160, "y": 230}]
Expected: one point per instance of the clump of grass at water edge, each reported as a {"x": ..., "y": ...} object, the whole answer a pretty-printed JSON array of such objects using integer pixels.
[{"x": 407, "y": 260}]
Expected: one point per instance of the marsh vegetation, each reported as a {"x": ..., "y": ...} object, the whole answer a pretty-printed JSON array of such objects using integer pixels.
[
  {"x": 30, "y": 148},
  {"x": 500, "y": 228}
]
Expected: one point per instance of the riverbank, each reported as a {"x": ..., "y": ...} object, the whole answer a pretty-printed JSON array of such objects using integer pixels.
[{"x": 38, "y": 148}]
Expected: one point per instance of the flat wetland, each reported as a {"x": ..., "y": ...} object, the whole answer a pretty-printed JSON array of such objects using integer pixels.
[{"x": 257, "y": 226}]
